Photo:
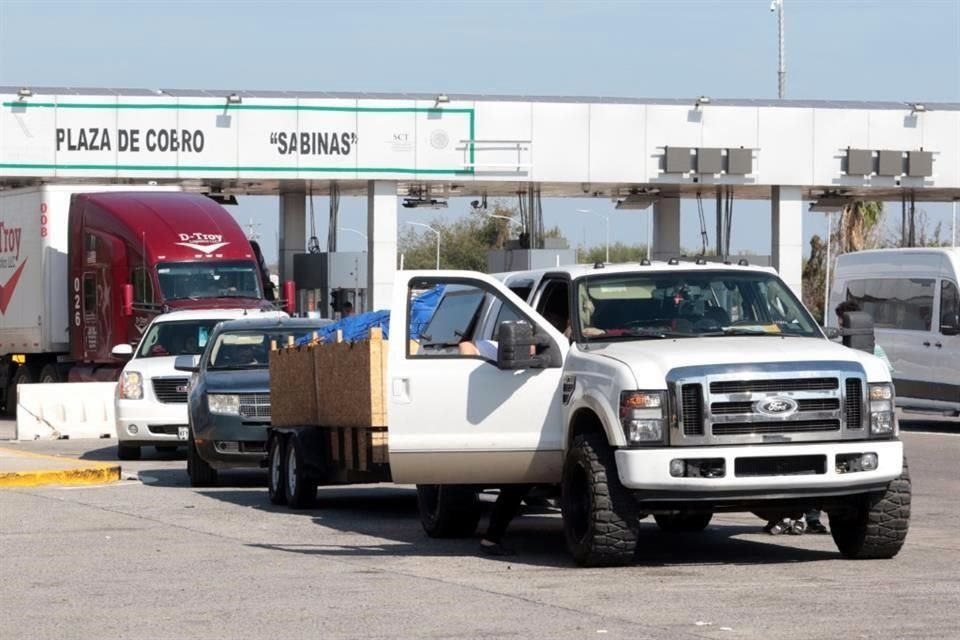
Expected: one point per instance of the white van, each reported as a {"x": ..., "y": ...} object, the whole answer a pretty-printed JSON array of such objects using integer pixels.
[{"x": 913, "y": 297}]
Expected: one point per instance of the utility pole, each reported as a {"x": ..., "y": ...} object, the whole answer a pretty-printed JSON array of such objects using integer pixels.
[{"x": 777, "y": 5}]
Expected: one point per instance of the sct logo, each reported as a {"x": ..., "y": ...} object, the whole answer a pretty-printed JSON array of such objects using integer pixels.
[
  {"x": 205, "y": 243},
  {"x": 776, "y": 407}
]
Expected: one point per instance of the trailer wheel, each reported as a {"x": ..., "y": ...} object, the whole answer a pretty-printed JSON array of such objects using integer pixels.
[
  {"x": 50, "y": 374},
  {"x": 199, "y": 470},
  {"x": 447, "y": 510},
  {"x": 301, "y": 488},
  {"x": 682, "y": 522},
  {"x": 128, "y": 452},
  {"x": 600, "y": 519},
  {"x": 277, "y": 480},
  {"x": 876, "y": 526}
]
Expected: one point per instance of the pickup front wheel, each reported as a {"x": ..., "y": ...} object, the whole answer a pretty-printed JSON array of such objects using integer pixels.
[
  {"x": 600, "y": 518},
  {"x": 876, "y": 524}
]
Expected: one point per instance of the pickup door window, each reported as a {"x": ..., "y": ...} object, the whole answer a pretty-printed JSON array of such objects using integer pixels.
[{"x": 460, "y": 419}]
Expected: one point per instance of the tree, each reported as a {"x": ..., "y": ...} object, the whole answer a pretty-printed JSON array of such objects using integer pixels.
[
  {"x": 813, "y": 277},
  {"x": 619, "y": 253}
]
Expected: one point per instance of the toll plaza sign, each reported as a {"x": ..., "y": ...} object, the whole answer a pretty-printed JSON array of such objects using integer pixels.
[{"x": 196, "y": 137}]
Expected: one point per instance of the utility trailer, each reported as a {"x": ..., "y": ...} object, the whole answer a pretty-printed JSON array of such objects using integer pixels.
[{"x": 328, "y": 417}]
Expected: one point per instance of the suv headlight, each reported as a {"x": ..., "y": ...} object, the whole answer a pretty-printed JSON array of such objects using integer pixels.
[
  {"x": 642, "y": 417},
  {"x": 224, "y": 404},
  {"x": 130, "y": 386},
  {"x": 882, "y": 419}
]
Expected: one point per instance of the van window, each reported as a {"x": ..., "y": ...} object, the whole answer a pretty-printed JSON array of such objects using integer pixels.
[
  {"x": 949, "y": 304},
  {"x": 895, "y": 303}
]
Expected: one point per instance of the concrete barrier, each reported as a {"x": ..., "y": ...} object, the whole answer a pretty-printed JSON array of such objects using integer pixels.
[{"x": 66, "y": 410}]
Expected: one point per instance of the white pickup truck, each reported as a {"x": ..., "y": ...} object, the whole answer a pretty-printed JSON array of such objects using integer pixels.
[{"x": 673, "y": 389}]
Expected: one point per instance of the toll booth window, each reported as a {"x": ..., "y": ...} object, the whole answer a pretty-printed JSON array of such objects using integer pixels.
[
  {"x": 142, "y": 287},
  {"x": 90, "y": 295},
  {"x": 454, "y": 321}
]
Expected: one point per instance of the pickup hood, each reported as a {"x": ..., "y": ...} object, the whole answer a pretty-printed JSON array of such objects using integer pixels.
[
  {"x": 651, "y": 360},
  {"x": 238, "y": 381}
]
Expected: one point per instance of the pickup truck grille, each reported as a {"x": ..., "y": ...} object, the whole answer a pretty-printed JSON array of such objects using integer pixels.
[
  {"x": 766, "y": 403},
  {"x": 170, "y": 390},
  {"x": 255, "y": 405}
]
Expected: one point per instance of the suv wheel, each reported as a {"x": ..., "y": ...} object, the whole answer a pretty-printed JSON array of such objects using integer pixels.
[
  {"x": 277, "y": 480},
  {"x": 200, "y": 472},
  {"x": 600, "y": 518},
  {"x": 683, "y": 522},
  {"x": 448, "y": 511},
  {"x": 876, "y": 525}
]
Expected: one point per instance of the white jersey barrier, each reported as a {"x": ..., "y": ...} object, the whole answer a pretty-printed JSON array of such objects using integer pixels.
[{"x": 66, "y": 410}]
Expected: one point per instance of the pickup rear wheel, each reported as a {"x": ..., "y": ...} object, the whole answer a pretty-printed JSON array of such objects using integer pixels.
[
  {"x": 199, "y": 470},
  {"x": 682, "y": 522},
  {"x": 448, "y": 511},
  {"x": 301, "y": 488},
  {"x": 277, "y": 478},
  {"x": 25, "y": 374},
  {"x": 600, "y": 518},
  {"x": 876, "y": 525}
]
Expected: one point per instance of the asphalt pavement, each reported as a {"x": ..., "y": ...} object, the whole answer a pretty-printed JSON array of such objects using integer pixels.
[{"x": 151, "y": 557}]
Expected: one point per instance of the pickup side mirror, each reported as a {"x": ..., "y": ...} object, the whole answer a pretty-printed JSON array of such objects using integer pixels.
[
  {"x": 516, "y": 348},
  {"x": 858, "y": 331},
  {"x": 187, "y": 363},
  {"x": 124, "y": 351}
]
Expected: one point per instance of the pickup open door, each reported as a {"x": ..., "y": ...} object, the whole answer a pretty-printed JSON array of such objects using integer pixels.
[{"x": 458, "y": 418}]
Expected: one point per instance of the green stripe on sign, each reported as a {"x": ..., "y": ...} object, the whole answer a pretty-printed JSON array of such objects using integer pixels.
[
  {"x": 232, "y": 107},
  {"x": 144, "y": 167}
]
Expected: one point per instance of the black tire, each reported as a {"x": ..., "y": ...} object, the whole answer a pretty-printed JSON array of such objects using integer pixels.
[
  {"x": 50, "y": 374},
  {"x": 128, "y": 452},
  {"x": 24, "y": 375},
  {"x": 448, "y": 510},
  {"x": 681, "y": 522},
  {"x": 876, "y": 527},
  {"x": 277, "y": 471},
  {"x": 600, "y": 517},
  {"x": 301, "y": 487},
  {"x": 199, "y": 470}
]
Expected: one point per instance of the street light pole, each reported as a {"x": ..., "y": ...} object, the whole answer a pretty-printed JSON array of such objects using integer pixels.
[
  {"x": 777, "y": 5},
  {"x": 954, "y": 223},
  {"x": 606, "y": 221},
  {"x": 507, "y": 218},
  {"x": 826, "y": 283},
  {"x": 435, "y": 232},
  {"x": 359, "y": 233}
]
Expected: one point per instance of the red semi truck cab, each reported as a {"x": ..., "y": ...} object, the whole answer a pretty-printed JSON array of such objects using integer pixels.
[{"x": 134, "y": 255}]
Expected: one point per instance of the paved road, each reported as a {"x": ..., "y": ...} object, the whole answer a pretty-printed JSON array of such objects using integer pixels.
[{"x": 151, "y": 557}]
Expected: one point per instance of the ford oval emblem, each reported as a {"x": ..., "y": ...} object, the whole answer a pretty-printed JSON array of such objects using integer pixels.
[{"x": 776, "y": 406}]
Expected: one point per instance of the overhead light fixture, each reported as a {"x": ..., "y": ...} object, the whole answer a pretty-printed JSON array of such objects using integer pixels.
[
  {"x": 917, "y": 107},
  {"x": 442, "y": 99},
  {"x": 830, "y": 202},
  {"x": 637, "y": 201},
  {"x": 234, "y": 98},
  {"x": 702, "y": 100},
  {"x": 223, "y": 199},
  {"x": 417, "y": 203},
  {"x": 24, "y": 92}
]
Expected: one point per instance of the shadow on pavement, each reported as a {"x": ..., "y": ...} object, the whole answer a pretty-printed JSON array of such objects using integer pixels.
[
  {"x": 931, "y": 426},
  {"x": 253, "y": 478},
  {"x": 109, "y": 454},
  {"x": 390, "y": 513}
]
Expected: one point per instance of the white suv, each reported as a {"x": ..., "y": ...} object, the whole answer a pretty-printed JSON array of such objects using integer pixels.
[{"x": 151, "y": 397}]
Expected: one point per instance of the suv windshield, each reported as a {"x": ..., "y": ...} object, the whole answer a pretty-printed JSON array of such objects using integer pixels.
[
  {"x": 249, "y": 349},
  {"x": 689, "y": 304},
  {"x": 186, "y": 337},
  {"x": 230, "y": 279}
]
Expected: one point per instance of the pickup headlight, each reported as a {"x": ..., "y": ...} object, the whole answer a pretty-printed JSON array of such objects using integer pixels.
[
  {"x": 224, "y": 404},
  {"x": 642, "y": 417},
  {"x": 882, "y": 419},
  {"x": 130, "y": 386}
]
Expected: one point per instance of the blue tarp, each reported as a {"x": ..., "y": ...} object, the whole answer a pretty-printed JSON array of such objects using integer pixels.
[{"x": 358, "y": 327}]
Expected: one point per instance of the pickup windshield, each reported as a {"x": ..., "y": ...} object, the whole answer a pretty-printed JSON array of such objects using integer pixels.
[
  {"x": 220, "y": 279},
  {"x": 689, "y": 304}
]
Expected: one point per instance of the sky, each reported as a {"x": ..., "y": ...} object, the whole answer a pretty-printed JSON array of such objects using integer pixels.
[{"x": 896, "y": 50}]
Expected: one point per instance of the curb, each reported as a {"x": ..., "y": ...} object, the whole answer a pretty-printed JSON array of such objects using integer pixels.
[{"x": 85, "y": 473}]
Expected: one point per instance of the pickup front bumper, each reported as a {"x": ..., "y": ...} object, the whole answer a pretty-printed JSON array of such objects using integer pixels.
[{"x": 762, "y": 472}]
